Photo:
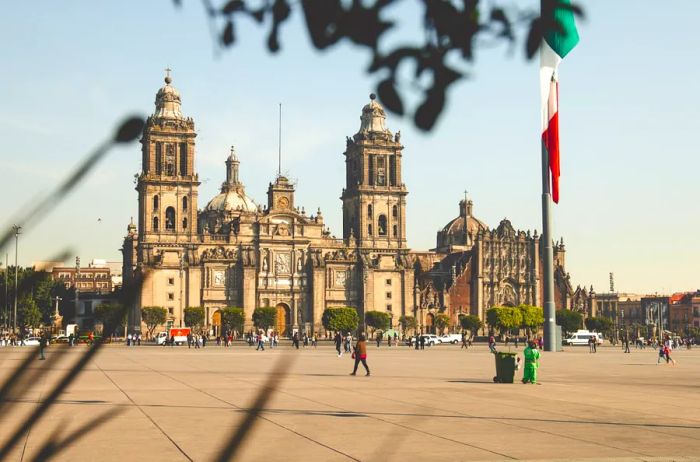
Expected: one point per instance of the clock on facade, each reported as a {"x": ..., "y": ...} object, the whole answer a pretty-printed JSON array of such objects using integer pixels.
[
  {"x": 282, "y": 203},
  {"x": 219, "y": 278}
]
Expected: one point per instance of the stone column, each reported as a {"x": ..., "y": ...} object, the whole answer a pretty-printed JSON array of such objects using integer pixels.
[{"x": 249, "y": 296}]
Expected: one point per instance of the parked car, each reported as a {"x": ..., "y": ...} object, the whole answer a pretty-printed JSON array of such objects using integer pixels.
[
  {"x": 31, "y": 341},
  {"x": 582, "y": 337},
  {"x": 60, "y": 339},
  {"x": 451, "y": 338},
  {"x": 430, "y": 340}
]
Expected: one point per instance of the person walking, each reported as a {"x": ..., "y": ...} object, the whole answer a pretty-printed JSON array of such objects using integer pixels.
[
  {"x": 379, "y": 339},
  {"x": 348, "y": 342},
  {"x": 532, "y": 363},
  {"x": 295, "y": 340},
  {"x": 464, "y": 342},
  {"x": 422, "y": 342},
  {"x": 261, "y": 343},
  {"x": 338, "y": 339},
  {"x": 360, "y": 355},
  {"x": 626, "y": 342},
  {"x": 492, "y": 344},
  {"x": 591, "y": 344},
  {"x": 417, "y": 341},
  {"x": 42, "y": 346}
]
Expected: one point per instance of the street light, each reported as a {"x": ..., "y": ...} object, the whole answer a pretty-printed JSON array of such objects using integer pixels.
[{"x": 17, "y": 229}]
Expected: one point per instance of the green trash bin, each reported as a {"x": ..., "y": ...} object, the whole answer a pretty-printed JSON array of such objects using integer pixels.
[{"x": 505, "y": 367}]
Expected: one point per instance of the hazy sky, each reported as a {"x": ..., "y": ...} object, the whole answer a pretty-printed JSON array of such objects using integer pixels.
[{"x": 629, "y": 124}]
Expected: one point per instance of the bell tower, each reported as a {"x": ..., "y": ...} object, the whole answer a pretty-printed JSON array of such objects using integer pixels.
[
  {"x": 168, "y": 184},
  {"x": 374, "y": 198}
]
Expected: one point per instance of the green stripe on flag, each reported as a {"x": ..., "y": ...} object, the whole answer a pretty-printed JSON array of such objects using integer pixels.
[{"x": 561, "y": 40}]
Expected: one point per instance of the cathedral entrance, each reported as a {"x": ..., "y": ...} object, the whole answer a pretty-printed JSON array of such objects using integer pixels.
[
  {"x": 283, "y": 317},
  {"x": 216, "y": 322},
  {"x": 429, "y": 323}
]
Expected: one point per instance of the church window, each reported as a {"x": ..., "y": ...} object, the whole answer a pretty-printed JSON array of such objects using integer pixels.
[
  {"x": 155, "y": 223},
  {"x": 394, "y": 230},
  {"x": 184, "y": 203},
  {"x": 369, "y": 229},
  {"x": 171, "y": 296},
  {"x": 389, "y": 307},
  {"x": 388, "y": 295},
  {"x": 388, "y": 282},
  {"x": 155, "y": 202},
  {"x": 371, "y": 170},
  {"x": 171, "y": 281},
  {"x": 171, "y": 310},
  {"x": 394, "y": 211},
  {"x": 170, "y": 219},
  {"x": 392, "y": 170},
  {"x": 369, "y": 210},
  {"x": 159, "y": 158},
  {"x": 381, "y": 225},
  {"x": 170, "y": 160},
  {"x": 381, "y": 171},
  {"x": 183, "y": 159},
  {"x": 184, "y": 223}
]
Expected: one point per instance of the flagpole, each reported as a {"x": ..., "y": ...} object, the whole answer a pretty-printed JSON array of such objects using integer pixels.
[{"x": 547, "y": 257}]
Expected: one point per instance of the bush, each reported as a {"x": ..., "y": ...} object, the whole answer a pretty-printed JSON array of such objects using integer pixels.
[
  {"x": 340, "y": 319},
  {"x": 471, "y": 323},
  {"x": 570, "y": 321},
  {"x": 194, "y": 316},
  {"x": 377, "y": 320},
  {"x": 264, "y": 318},
  {"x": 504, "y": 318},
  {"x": 232, "y": 319}
]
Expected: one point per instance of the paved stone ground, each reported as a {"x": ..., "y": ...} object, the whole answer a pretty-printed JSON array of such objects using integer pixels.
[{"x": 434, "y": 405}]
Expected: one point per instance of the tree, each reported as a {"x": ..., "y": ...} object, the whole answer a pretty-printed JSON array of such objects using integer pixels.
[
  {"x": 470, "y": 323},
  {"x": 28, "y": 313},
  {"x": 570, "y": 321},
  {"x": 532, "y": 318},
  {"x": 446, "y": 45},
  {"x": 232, "y": 319},
  {"x": 264, "y": 318},
  {"x": 153, "y": 316},
  {"x": 112, "y": 316},
  {"x": 340, "y": 319},
  {"x": 408, "y": 323},
  {"x": 441, "y": 322},
  {"x": 503, "y": 318},
  {"x": 600, "y": 324},
  {"x": 377, "y": 320},
  {"x": 194, "y": 317}
]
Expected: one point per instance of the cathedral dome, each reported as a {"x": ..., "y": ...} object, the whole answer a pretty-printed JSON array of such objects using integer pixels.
[
  {"x": 232, "y": 200},
  {"x": 462, "y": 230},
  {"x": 168, "y": 101},
  {"x": 373, "y": 118}
]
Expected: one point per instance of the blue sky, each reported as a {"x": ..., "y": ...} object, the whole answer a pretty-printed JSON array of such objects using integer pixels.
[{"x": 629, "y": 118}]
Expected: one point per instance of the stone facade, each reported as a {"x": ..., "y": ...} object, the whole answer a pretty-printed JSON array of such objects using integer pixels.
[{"x": 237, "y": 253}]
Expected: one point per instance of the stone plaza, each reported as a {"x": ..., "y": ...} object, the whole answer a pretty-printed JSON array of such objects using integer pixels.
[{"x": 437, "y": 404}]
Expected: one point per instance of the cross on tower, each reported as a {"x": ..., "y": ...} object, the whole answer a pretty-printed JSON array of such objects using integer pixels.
[{"x": 167, "y": 71}]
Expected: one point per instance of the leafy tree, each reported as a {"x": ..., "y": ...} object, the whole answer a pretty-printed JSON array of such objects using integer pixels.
[
  {"x": 28, "y": 313},
  {"x": 599, "y": 324},
  {"x": 340, "y": 319},
  {"x": 232, "y": 319},
  {"x": 570, "y": 321},
  {"x": 377, "y": 320},
  {"x": 153, "y": 316},
  {"x": 194, "y": 317},
  {"x": 264, "y": 318},
  {"x": 408, "y": 323},
  {"x": 503, "y": 318},
  {"x": 470, "y": 323},
  {"x": 532, "y": 318},
  {"x": 112, "y": 316},
  {"x": 441, "y": 321}
]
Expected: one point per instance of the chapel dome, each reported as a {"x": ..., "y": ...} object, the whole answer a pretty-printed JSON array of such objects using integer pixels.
[
  {"x": 462, "y": 230},
  {"x": 168, "y": 101},
  {"x": 231, "y": 200}
]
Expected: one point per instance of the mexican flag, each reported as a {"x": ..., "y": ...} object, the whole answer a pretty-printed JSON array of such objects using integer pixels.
[{"x": 557, "y": 43}]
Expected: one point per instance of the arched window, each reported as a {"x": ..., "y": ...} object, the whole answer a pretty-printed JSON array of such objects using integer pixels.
[
  {"x": 184, "y": 203},
  {"x": 394, "y": 211},
  {"x": 170, "y": 219},
  {"x": 381, "y": 225},
  {"x": 369, "y": 229},
  {"x": 184, "y": 223},
  {"x": 155, "y": 223},
  {"x": 155, "y": 202},
  {"x": 369, "y": 210},
  {"x": 395, "y": 230}
]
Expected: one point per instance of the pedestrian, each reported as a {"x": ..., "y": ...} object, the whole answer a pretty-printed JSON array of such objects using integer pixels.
[
  {"x": 360, "y": 355},
  {"x": 71, "y": 339},
  {"x": 196, "y": 341},
  {"x": 422, "y": 342},
  {"x": 138, "y": 340},
  {"x": 172, "y": 340},
  {"x": 464, "y": 342},
  {"x": 128, "y": 340},
  {"x": 261, "y": 343},
  {"x": 532, "y": 362},
  {"x": 204, "y": 340},
  {"x": 189, "y": 340},
  {"x": 42, "y": 346},
  {"x": 516, "y": 341},
  {"x": 626, "y": 342},
  {"x": 338, "y": 339},
  {"x": 295, "y": 340},
  {"x": 379, "y": 339},
  {"x": 492, "y": 344},
  {"x": 313, "y": 340},
  {"x": 417, "y": 341},
  {"x": 348, "y": 342}
]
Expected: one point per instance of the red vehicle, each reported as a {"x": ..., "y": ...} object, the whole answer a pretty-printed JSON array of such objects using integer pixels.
[{"x": 178, "y": 334}]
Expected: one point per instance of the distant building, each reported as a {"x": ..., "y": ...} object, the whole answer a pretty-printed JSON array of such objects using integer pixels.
[
  {"x": 95, "y": 278},
  {"x": 655, "y": 310},
  {"x": 684, "y": 309}
]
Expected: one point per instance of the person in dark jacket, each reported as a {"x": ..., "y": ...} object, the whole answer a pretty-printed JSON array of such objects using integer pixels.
[
  {"x": 43, "y": 341},
  {"x": 360, "y": 354},
  {"x": 338, "y": 342}
]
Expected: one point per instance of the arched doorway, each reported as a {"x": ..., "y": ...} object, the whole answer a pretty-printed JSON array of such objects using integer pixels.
[
  {"x": 429, "y": 323},
  {"x": 283, "y": 318},
  {"x": 216, "y": 322}
]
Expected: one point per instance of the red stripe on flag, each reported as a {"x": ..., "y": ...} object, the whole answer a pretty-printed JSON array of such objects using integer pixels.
[{"x": 552, "y": 144}]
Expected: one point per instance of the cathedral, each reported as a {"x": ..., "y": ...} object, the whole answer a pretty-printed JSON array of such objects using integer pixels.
[{"x": 236, "y": 252}]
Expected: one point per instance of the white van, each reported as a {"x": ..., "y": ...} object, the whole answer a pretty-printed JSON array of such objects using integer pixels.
[{"x": 582, "y": 337}]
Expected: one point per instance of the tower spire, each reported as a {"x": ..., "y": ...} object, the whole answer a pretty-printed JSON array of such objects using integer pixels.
[{"x": 232, "y": 163}]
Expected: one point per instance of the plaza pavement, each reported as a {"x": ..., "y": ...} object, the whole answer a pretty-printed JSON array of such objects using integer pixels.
[{"x": 434, "y": 405}]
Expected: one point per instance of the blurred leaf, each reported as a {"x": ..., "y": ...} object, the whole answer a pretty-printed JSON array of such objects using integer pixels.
[
  {"x": 389, "y": 96},
  {"x": 227, "y": 38},
  {"x": 534, "y": 38},
  {"x": 233, "y": 5},
  {"x": 427, "y": 113},
  {"x": 129, "y": 130}
]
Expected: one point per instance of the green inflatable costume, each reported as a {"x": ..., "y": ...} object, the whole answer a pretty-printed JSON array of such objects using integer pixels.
[{"x": 532, "y": 362}]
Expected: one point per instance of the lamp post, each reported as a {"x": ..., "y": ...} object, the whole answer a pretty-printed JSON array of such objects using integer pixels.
[{"x": 17, "y": 229}]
